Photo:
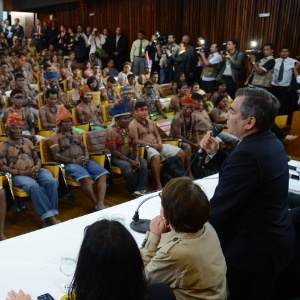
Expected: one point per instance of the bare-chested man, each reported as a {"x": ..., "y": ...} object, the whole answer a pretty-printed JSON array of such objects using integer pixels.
[
  {"x": 17, "y": 99},
  {"x": 148, "y": 135},
  {"x": 184, "y": 127},
  {"x": 145, "y": 76},
  {"x": 119, "y": 140},
  {"x": 175, "y": 103},
  {"x": 19, "y": 158},
  {"x": 48, "y": 112},
  {"x": 86, "y": 110},
  {"x": 6, "y": 76},
  {"x": 67, "y": 148},
  {"x": 76, "y": 79},
  {"x": 152, "y": 102}
]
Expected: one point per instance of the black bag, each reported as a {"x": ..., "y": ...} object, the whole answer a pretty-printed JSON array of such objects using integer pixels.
[{"x": 173, "y": 167}]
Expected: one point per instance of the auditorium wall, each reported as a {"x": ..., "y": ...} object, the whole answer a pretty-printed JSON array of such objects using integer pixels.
[{"x": 214, "y": 19}]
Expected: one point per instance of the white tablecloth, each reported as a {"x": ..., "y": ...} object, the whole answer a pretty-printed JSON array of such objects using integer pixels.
[{"x": 31, "y": 261}]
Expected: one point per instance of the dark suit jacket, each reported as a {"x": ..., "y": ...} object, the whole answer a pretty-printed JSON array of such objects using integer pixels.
[
  {"x": 249, "y": 208},
  {"x": 19, "y": 32},
  {"x": 179, "y": 62},
  {"x": 34, "y": 30},
  {"x": 121, "y": 47}
]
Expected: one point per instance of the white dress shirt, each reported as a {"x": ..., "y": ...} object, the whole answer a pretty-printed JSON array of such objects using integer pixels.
[{"x": 288, "y": 70}]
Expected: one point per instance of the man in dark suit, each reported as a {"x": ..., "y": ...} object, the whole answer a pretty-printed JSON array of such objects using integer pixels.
[
  {"x": 249, "y": 208},
  {"x": 37, "y": 34},
  {"x": 17, "y": 30},
  {"x": 117, "y": 49},
  {"x": 179, "y": 60},
  {"x": 81, "y": 45}
]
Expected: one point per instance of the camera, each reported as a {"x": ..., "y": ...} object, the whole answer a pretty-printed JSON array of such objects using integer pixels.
[
  {"x": 205, "y": 49},
  {"x": 161, "y": 38},
  {"x": 258, "y": 53}
]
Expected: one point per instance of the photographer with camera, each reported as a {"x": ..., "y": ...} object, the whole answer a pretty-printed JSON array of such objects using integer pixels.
[
  {"x": 211, "y": 67},
  {"x": 262, "y": 71},
  {"x": 179, "y": 60},
  {"x": 153, "y": 53},
  {"x": 232, "y": 60},
  {"x": 166, "y": 70}
]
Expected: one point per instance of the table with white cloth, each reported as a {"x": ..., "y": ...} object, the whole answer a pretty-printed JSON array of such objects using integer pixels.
[{"x": 31, "y": 261}]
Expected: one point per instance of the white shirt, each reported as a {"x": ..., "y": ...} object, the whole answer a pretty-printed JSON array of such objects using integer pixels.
[
  {"x": 298, "y": 79},
  {"x": 288, "y": 70},
  {"x": 214, "y": 59}
]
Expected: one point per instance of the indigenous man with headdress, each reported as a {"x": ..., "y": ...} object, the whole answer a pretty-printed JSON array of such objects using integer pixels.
[
  {"x": 119, "y": 140},
  {"x": 19, "y": 158},
  {"x": 67, "y": 148},
  {"x": 184, "y": 127},
  {"x": 86, "y": 110},
  {"x": 17, "y": 98}
]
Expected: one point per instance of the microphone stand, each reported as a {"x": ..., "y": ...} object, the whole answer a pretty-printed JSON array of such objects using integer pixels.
[{"x": 141, "y": 225}]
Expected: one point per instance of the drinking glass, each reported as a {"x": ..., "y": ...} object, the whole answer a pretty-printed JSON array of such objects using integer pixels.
[{"x": 67, "y": 267}]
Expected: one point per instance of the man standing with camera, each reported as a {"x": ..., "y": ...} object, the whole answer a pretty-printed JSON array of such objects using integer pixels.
[
  {"x": 262, "y": 71},
  {"x": 166, "y": 70},
  {"x": 232, "y": 60},
  {"x": 210, "y": 67}
]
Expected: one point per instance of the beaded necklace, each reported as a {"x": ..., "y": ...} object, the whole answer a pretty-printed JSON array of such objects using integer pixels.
[
  {"x": 124, "y": 134},
  {"x": 146, "y": 125}
]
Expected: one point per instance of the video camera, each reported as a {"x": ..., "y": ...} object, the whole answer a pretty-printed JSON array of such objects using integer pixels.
[
  {"x": 203, "y": 47},
  {"x": 255, "y": 50},
  {"x": 161, "y": 39}
]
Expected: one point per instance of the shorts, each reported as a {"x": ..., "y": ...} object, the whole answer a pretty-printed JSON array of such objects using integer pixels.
[
  {"x": 92, "y": 171},
  {"x": 167, "y": 150}
]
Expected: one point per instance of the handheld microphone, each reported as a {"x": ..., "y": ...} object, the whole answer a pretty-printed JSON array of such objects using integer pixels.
[
  {"x": 141, "y": 225},
  {"x": 218, "y": 128}
]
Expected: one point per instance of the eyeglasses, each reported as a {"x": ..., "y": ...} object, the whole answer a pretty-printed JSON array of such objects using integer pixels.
[{"x": 18, "y": 98}]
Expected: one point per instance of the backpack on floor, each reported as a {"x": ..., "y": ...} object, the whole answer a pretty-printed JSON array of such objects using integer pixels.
[{"x": 173, "y": 167}]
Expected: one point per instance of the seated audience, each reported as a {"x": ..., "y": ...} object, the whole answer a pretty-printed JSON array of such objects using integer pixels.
[
  {"x": 132, "y": 83},
  {"x": 179, "y": 78},
  {"x": 154, "y": 106},
  {"x": 86, "y": 111},
  {"x": 220, "y": 90},
  {"x": 156, "y": 88},
  {"x": 182, "y": 249},
  {"x": 122, "y": 77},
  {"x": 148, "y": 135},
  {"x": 195, "y": 89},
  {"x": 87, "y": 70},
  {"x": 19, "y": 158},
  {"x": 145, "y": 76},
  {"x": 119, "y": 140},
  {"x": 175, "y": 103},
  {"x": 67, "y": 148},
  {"x": 48, "y": 112},
  {"x": 113, "y": 96},
  {"x": 219, "y": 112},
  {"x": 110, "y": 70}
]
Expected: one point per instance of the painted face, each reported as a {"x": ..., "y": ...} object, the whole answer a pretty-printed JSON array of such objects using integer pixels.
[
  {"x": 87, "y": 97},
  {"x": 124, "y": 121},
  {"x": 142, "y": 112},
  {"x": 66, "y": 125},
  {"x": 20, "y": 82},
  {"x": 188, "y": 109},
  {"x": 15, "y": 132},
  {"x": 18, "y": 100}
]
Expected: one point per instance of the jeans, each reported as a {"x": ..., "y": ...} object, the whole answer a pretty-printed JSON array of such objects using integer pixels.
[
  {"x": 42, "y": 191},
  {"x": 134, "y": 182},
  {"x": 166, "y": 75}
]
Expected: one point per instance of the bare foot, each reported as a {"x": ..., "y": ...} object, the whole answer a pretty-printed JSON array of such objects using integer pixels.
[
  {"x": 100, "y": 207},
  {"x": 290, "y": 138}
]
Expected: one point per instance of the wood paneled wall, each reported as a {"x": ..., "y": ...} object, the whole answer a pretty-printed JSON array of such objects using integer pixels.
[{"x": 215, "y": 20}]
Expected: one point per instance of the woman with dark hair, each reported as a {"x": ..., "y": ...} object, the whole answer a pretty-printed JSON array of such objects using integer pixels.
[
  {"x": 109, "y": 264},
  {"x": 220, "y": 90},
  {"x": 87, "y": 70},
  {"x": 70, "y": 39},
  {"x": 93, "y": 84},
  {"x": 182, "y": 249},
  {"x": 220, "y": 110},
  {"x": 110, "y": 70},
  {"x": 179, "y": 78}
]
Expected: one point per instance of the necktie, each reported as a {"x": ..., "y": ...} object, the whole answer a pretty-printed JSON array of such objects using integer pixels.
[
  {"x": 38, "y": 31},
  {"x": 280, "y": 73},
  {"x": 141, "y": 47}
]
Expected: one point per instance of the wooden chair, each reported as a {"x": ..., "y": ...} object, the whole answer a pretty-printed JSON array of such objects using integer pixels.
[
  {"x": 43, "y": 132},
  {"x": 97, "y": 98},
  {"x": 281, "y": 121},
  {"x": 48, "y": 160},
  {"x": 166, "y": 89},
  {"x": 83, "y": 126}
]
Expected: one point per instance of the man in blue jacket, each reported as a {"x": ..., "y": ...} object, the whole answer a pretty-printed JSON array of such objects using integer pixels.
[{"x": 249, "y": 208}]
